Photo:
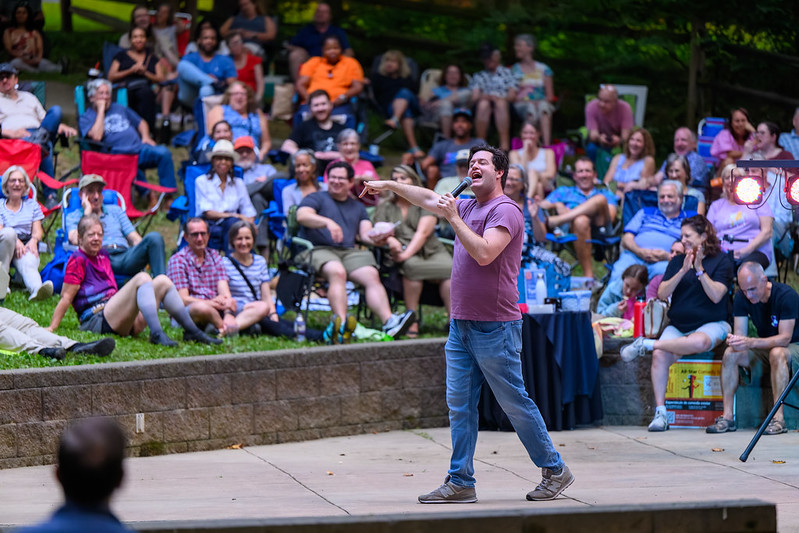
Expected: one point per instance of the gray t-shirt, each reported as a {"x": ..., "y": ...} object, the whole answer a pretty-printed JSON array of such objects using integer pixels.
[
  {"x": 445, "y": 153},
  {"x": 347, "y": 214}
]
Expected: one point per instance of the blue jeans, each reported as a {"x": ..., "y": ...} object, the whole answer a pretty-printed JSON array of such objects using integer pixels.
[
  {"x": 159, "y": 157},
  {"x": 193, "y": 82},
  {"x": 413, "y": 104},
  {"x": 134, "y": 260},
  {"x": 50, "y": 122},
  {"x": 627, "y": 259},
  {"x": 490, "y": 351}
]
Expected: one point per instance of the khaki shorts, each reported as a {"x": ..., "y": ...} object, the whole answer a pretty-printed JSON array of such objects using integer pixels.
[
  {"x": 762, "y": 354},
  {"x": 351, "y": 258}
]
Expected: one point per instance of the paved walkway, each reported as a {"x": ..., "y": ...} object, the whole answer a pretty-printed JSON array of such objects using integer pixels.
[{"x": 383, "y": 473}]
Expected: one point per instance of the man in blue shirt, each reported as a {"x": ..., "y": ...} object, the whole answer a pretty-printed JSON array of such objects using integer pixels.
[
  {"x": 582, "y": 206},
  {"x": 308, "y": 41},
  {"x": 649, "y": 235},
  {"x": 128, "y": 251},
  {"x": 204, "y": 72},
  {"x": 89, "y": 469},
  {"x": 124, "y": 132}
]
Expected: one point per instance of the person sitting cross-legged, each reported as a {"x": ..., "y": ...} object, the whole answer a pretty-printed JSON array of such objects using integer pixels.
[
  {"x": 90, "y": 288},
  {"x": 202, "y": 282},
  {"x": 582, "y": 207},
  {"x": 697, "y": 283},
  {"x": 331, "y": 220},
  {"x": 129, "y": 252},
  {"x": 773, "y": 308}
]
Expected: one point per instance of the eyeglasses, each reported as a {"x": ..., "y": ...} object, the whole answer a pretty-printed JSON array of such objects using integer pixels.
[
  {"x": 195, "y": 234},
  {"x": 5, "y": 75}
]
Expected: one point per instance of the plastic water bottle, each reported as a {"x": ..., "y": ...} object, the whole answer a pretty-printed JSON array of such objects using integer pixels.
[
  {"x": 540, "y": 289},
  {"x": 299, "y": 328}
]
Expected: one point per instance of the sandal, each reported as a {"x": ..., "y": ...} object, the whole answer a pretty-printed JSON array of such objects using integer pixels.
[
  {"x": 775, "y": 427},
  {"x": 392, "y": 123}
]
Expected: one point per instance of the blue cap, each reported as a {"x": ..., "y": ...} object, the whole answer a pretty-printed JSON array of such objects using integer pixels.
[{"x": 462, "y": 112}]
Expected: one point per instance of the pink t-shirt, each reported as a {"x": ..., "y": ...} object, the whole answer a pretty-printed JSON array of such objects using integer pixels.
[
  {"x": 488, "y": 293},
  {"x": 740, "y": 221},
  {"x": 724, "y": 142},
  {"x": 618, "y": 119}
]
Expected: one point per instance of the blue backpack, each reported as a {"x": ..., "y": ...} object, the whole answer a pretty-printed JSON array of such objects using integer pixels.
[{"x": 57, "y": 267}]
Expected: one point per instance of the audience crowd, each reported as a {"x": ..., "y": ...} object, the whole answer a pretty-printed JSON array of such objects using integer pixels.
[{"x": 686, "y": 246}]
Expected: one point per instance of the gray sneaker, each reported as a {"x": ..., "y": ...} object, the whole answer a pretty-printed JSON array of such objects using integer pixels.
[
  {"x": 551, "y": 485},
  {"x": 721, "y": 425},
  {"x": 398, "y": 324},
  {"x": 659, "y": 423},
  {"x": 450, "y": 493},
  {"x": 633, "y": 350}
]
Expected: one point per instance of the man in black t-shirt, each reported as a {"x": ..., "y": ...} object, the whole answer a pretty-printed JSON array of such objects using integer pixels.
[
  {"x": 332, "y": 220},
  {"x": 773, "y": 308},
  {"x": 318, "y": 133}
]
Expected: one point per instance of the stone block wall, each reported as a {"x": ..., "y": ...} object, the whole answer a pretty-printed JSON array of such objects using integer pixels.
[{"x": 202, "y": 403}]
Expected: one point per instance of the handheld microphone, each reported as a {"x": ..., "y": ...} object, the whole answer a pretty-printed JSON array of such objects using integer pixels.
[{"x": 462, "y": 186}]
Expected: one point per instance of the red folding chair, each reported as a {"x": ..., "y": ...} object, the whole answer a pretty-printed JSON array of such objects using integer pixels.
[
  {"x": 119, "y": 172},
  {"x": 29, "y": 156}
]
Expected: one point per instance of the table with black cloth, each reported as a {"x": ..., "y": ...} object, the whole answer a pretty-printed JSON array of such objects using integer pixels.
[{"x": 560, "y": 370}]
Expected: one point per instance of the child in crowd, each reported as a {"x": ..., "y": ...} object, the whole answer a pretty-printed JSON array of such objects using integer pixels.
[{"x": 619, "y": 297}]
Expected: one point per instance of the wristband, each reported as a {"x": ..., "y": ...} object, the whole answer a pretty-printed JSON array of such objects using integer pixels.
[{"x": 699, "y": 273}]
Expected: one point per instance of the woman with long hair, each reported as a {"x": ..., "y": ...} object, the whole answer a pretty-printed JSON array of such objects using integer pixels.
[
  {"x": 632, "y": 169},
  {"x": 249, "y": 67},
  {"x": 537, "y": 161},
  {"x": 698, "y": 283},
  {"x": 138, "y": 68},
  {"x": 395, "y": 91},
  {"x": 24, "y": 43},
  {"x": 414, "y": 246},
  {"x": 240, "y": 109}
]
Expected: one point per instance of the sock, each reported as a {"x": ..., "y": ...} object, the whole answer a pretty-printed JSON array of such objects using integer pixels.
[
  {"x": 173, "y": 304},
  {"x": 649, "y": 344},
  {"x": 660, "y": 409},
  {"x": 145, "y": 298}
]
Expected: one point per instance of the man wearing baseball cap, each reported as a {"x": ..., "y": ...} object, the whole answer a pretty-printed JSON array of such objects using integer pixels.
[
  {"x": 23, "y": 117},
  {"x": 441, "y": 160},
  {"x": 130, "y": 253}
]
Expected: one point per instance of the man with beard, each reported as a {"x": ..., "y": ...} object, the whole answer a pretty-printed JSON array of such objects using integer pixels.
[
  {"x": 441, "y": 161},
  {"x": 580, "y": 208},
  {"x": 318, "y": 133},
  {"x": 649, "y": 235},
  {"x": 204, "y": 72}
]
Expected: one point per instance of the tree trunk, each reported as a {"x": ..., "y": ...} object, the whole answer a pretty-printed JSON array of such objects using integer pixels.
[
  {"x": 66, "y": 16},
  {"x": 693, "y": 70}
]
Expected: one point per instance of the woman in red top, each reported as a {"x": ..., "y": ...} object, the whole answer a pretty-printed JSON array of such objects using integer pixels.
[{"x": 249, "y": 67}]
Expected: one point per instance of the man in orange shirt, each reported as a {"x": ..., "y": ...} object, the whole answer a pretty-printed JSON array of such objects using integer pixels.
[{"x": 339, "y": 75}]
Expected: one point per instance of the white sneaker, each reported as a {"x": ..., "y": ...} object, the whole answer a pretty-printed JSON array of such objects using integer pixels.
[
  {"x": 659, "y": 423},
  {"x": 633, "y": 350},
  {"x": 44, "y": 292},
  {"x": 398, "y": 324}
]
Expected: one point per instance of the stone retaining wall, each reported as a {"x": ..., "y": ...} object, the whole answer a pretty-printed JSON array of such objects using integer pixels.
[{"x": 211, "y": 402}]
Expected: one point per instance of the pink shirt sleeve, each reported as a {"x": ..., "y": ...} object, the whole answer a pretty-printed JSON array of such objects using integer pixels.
[
  {"x": 722, "y": 143},
  {"x": 591, "y": 115},
  {"x": 625, "y": 115}
]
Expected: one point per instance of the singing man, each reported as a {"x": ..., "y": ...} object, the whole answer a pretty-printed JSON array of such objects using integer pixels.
[{"x": 486, "y": 327}]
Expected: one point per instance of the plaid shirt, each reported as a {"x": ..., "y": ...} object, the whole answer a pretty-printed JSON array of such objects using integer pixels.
[{"x": 201, "y": 279}]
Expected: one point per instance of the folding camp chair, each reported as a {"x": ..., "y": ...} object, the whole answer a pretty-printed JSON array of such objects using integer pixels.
[{"x": 119, "y": 172}]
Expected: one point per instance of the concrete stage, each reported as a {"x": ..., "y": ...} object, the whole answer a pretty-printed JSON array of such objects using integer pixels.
[{"x": 383, "y": 473}]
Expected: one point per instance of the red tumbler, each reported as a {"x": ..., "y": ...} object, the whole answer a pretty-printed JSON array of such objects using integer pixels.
[{"x": 638, "y": 318}]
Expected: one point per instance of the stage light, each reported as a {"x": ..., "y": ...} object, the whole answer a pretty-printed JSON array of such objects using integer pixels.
[
  {"x": 792, "y": 187},
  {"x": 749, "y": 188}
]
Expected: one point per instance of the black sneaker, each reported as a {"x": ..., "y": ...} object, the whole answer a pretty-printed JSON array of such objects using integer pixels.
[
  {"x": 200, "y": 337},
  {"x": 53, "y": 353},
  {"x": 100, "y": 347}
]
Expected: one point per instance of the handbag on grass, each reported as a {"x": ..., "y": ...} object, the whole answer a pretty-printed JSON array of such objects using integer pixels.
[{"x": 655, "y": 318}]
